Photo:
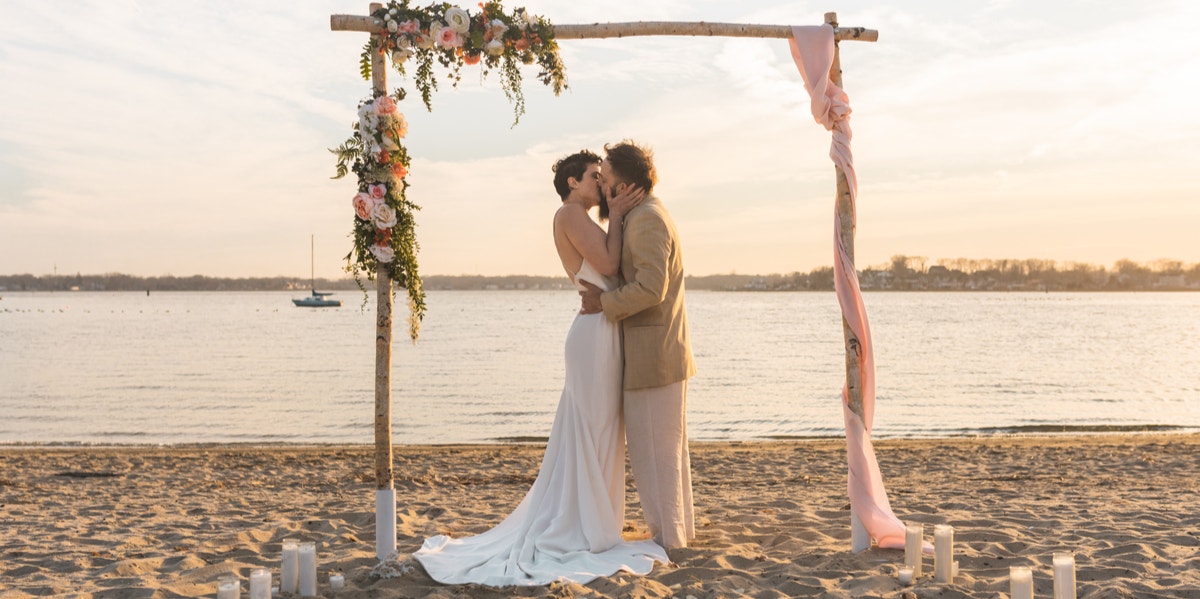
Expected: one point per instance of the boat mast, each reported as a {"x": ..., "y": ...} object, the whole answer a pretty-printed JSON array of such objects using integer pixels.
[{"x": 312, "y": 263}]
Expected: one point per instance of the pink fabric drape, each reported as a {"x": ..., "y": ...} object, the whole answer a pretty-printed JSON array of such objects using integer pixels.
[{"x": 813, "y": 51}]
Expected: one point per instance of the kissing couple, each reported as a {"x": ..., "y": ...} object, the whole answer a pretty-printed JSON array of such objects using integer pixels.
[{"x": 628, "y": 359}]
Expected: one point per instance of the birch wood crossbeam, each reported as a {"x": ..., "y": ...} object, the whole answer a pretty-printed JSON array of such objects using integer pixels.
[{"x": 607, "y": 30}]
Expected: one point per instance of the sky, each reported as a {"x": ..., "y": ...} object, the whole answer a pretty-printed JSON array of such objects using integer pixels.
[{"x": 155, "y": 138}]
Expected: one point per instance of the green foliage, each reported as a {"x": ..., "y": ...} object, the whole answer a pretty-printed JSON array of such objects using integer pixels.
[
  {"x": 438, "y": 34},
  {"x": 495, "y": 39}
]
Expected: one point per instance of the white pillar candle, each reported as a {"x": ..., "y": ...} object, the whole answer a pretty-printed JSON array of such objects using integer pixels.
[
  {"x": 229, "y": 587},
  {"x": 336, "y": 581},
  {"x": 914, "y": 545},
  {"x": 1064, "y": 576},
  {"x": 905, "y": 574},
  {"x": 1020, "y": 582},
  {"x": 260, "y": 584},
  {"x": 943, "y": 553},
  {"x": 289, "y": 569},
  {"x": 308, "y": 569}
]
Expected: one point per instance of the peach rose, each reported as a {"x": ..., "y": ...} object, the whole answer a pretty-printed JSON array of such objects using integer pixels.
[
  {"x": 363, "y": 204},
  {"x": 377, "y": 191},
  {"x": 398, "y": 171},
  {"x": 385, "y": 105},
  {"x": 521, "y": 45},
  {"x": 470, "y": 58}
]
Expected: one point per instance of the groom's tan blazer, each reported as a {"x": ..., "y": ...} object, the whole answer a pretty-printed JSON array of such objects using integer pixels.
[{"x": 649, "y": 302}]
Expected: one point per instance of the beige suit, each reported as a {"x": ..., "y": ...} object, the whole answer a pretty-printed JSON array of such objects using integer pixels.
[
  {"x": 649, "y": 302},
  {"x": 658, "y": 361}
]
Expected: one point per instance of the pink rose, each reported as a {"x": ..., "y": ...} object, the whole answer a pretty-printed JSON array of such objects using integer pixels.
[
  {"x": 448, "y": 38},
  {"x": 408, "y": 27},
  {"x": 377, "y": 191},
  {"x": 384, "y": 105},
  {"x": 363, "y": 205}
]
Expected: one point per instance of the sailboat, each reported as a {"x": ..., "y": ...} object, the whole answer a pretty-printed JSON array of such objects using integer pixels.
[{"x": 318, "y": 299}]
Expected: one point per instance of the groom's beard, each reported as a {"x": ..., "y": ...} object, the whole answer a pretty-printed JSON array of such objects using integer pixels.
[{"x": 604, "y": 195}]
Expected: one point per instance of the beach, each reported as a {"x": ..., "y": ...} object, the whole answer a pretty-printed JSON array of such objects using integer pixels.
[{"x": 772, "y": 517}]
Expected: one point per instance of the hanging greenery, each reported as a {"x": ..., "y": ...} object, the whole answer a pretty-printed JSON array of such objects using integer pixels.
[{"x": 384, "y": 227}]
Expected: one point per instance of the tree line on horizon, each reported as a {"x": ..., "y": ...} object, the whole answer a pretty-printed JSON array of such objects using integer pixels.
[{"x": 901, "y": 273}]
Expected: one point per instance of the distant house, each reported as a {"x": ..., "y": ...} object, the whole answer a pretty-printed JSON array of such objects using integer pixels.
[{"x": 1171, "y": 282}]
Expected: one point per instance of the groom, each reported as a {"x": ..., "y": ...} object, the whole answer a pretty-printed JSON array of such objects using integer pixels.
[{"x": 658, "y": 356}]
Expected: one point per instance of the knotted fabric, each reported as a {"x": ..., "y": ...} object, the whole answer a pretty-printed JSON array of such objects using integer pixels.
[{"x": 813, "y": 50}]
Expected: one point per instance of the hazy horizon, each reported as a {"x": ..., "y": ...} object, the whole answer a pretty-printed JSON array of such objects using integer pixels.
[
  {"x": 154, "y": 137},
  {"x": 737, "y": 272}
]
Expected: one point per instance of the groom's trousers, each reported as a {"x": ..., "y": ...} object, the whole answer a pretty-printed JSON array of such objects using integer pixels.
[{"x": 656, "y": 433}]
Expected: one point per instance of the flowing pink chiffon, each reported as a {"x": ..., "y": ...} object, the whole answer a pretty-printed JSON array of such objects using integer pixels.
[{"x": 813, "y": 51}]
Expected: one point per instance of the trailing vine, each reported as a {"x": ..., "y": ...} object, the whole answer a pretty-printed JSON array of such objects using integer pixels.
[{"x": 441, "y": 34}]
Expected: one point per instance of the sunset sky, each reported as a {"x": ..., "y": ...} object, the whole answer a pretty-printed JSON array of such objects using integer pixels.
[{"x": 153, "y": 137}]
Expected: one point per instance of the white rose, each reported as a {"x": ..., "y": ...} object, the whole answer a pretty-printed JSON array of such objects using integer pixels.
[
  {"x": 390, "y": 144},
  {"x": 425, "y": 42},
  {"x": 392, "y": 26},
  {"x": 401, "y": 55},
  {"x": 392, "y": 12},
  {"x": 494, "y": 47},
  {"x": 458, "y": 19},
  {"x": 383, "y": 216},
  {"x": 383, "y": 253}
]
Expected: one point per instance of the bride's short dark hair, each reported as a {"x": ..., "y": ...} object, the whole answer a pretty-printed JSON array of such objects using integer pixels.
[
  {"x": 573, "y": 166},
  {"x": 633, "y": 163}
]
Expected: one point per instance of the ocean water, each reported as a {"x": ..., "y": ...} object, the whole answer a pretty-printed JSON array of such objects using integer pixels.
[{"x": 200, "y": 367}]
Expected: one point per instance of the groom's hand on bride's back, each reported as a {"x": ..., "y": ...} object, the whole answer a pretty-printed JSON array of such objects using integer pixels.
[{"x": 591, "y": 299}]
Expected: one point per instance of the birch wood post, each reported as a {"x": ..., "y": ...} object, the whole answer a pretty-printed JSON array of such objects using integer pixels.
[
  {"x": 860, "y": 539},
  {"x": 845, "y": 212},
  {"x": 385, "y": 492}
]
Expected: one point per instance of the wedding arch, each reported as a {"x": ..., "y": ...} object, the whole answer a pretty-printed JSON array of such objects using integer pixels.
[{"x": 385, "y": 240}]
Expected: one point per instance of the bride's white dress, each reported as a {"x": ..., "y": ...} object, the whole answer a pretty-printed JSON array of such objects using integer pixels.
[{"x": 568, "y": 526}]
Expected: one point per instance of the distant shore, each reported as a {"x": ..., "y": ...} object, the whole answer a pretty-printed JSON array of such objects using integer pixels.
[
  {"x": 904, "y": 273},
  {"x": 772, "y": 517}
]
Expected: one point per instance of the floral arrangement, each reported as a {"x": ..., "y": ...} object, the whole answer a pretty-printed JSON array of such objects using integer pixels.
[
  {"x": 384, "y": 227},
  {"x": 492, "y": 39}
]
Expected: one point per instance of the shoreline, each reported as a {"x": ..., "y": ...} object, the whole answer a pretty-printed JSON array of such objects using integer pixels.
[
  {"x": 772, "y": 516},
  {"x": 1015, "y": 432}
]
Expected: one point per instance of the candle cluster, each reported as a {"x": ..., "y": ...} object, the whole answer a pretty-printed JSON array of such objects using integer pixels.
[
  {"x": 297, "y": 575},
  {"x": 945, "y": 567}
]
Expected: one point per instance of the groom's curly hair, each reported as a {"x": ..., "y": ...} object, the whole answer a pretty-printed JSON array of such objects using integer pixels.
[
  {"x": 573, "y": 166},
  {"x": 633, "y": 163}
]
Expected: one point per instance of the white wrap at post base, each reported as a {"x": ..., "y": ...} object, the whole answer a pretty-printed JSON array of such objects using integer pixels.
[
  {"x": 385, "y": 523},
  {"x": 860, "y": 539}
]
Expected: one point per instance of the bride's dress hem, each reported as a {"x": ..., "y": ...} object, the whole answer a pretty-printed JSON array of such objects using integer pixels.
[{"x": 568, "y": 526}]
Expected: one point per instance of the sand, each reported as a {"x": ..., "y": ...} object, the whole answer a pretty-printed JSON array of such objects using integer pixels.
[{"x": 773, "y": 517}]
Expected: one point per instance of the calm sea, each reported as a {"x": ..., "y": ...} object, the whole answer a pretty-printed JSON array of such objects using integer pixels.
[{"x": 115, "y": 368}]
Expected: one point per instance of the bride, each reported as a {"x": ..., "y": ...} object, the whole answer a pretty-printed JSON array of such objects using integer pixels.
[{"x": 568, "y": 526}]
